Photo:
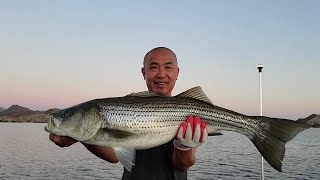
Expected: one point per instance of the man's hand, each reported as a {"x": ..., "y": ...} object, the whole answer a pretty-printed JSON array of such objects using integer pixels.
[
  {"x": 62, "y": 141},
  {"x": 191, "y": 133}
]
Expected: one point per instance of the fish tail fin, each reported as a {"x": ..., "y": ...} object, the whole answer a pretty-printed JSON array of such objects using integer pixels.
[{"x": 274, "y": 133}]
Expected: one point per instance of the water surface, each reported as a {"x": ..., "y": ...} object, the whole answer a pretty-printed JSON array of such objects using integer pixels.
[{"x": 27, "y": 153}]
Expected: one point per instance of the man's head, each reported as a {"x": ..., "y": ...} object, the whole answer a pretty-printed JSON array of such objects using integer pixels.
[{"x": 160, "y": 70}]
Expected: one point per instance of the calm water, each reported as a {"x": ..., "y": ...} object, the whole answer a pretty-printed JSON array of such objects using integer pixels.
[{"x": 27, "y": 153}]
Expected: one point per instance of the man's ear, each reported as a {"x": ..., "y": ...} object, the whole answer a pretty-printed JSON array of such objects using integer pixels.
[
  {"x": 178, "y": 73},
  {"x": 143, "y": 73}
]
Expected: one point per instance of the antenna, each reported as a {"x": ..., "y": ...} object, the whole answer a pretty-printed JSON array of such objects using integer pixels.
[{"x": 260, "y": 67}]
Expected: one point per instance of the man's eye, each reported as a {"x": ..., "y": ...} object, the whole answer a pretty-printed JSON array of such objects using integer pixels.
[
  {"x": 169, "y": 67},
  {"x": 153, "y": 67}
]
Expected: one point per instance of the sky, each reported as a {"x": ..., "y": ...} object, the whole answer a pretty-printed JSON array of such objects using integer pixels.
[{"x": 55, "y": 54}]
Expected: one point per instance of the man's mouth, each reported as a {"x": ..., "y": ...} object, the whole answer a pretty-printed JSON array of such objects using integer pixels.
[{"x": 161, "y": 83}]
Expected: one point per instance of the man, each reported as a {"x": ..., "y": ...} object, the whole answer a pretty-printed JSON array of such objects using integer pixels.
[{"x": 168, "y": 161}]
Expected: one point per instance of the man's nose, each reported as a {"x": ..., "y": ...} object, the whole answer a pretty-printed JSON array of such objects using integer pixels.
[{"x": 161, "y": 73}]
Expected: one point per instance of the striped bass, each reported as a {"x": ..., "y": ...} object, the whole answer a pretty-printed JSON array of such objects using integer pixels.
[{"x": 144, "y": 120}]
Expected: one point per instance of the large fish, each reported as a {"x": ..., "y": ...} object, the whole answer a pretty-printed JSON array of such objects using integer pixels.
[{"x": 145, "y": 120}]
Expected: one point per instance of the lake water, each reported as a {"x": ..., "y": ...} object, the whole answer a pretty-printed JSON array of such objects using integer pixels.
[{"x": 27, "y": 153}]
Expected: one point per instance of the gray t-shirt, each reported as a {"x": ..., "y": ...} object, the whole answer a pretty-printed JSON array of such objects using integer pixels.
[{"x": 155, "y": 164}]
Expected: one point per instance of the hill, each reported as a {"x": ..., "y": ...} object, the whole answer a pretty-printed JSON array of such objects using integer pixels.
[
  {"x": 16, "y": 110},
  {"x": 313, "y": 120},
  {"x": 17, "y": 113},
  {"x": 2, "y": 109}
]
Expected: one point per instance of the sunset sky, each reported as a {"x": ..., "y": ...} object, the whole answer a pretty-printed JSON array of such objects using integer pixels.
[{"x": 55, "y": 54}]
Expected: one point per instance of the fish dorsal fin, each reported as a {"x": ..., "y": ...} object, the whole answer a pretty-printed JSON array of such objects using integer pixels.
[
  {"x": 143, "y": 94},
  {"x": 195, "y": 93}
]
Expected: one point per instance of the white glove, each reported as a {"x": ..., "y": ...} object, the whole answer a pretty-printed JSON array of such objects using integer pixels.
[{"x": 191, "y": 133}]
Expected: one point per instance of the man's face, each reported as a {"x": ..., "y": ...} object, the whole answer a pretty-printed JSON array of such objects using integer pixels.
[{"x": 161, "y": 72}]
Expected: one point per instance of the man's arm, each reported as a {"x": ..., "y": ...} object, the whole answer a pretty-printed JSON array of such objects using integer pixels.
[
  {"x": 105, "y": 153},
  {"x": 183, "y": 160}
]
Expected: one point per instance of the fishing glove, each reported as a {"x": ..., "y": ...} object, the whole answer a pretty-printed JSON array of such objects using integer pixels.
[{"x": 191, "y": 133}]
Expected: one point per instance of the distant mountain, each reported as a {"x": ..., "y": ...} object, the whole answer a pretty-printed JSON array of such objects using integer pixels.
[
  {"x": 17, "y": 113},
  {"x": 51, "y": 111},
  {"x": 2, "y": 109},
  {"x": 16, "y": 110},
  {"x": 313, "y": 120}
]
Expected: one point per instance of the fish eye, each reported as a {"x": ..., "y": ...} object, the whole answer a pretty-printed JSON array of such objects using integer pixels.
[{"x": 63, "y": 114}]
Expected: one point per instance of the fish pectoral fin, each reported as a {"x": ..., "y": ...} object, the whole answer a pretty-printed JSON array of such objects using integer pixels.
[
  {"x": 195, "y": 93},
  {"x": 126, "y": 157},
  {"x": 118, "y": 133}
]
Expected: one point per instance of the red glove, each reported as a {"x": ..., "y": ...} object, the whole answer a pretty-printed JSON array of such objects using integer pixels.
[{"x": 191, "y": 133}]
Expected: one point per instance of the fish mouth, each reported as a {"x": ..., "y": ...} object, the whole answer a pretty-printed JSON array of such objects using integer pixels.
[
  {"x": 53, "y": 126},
  {"x": 50, "y": 125}
]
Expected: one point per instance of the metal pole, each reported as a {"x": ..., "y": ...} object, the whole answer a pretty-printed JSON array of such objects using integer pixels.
[{"x": 260, "y": 66}]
